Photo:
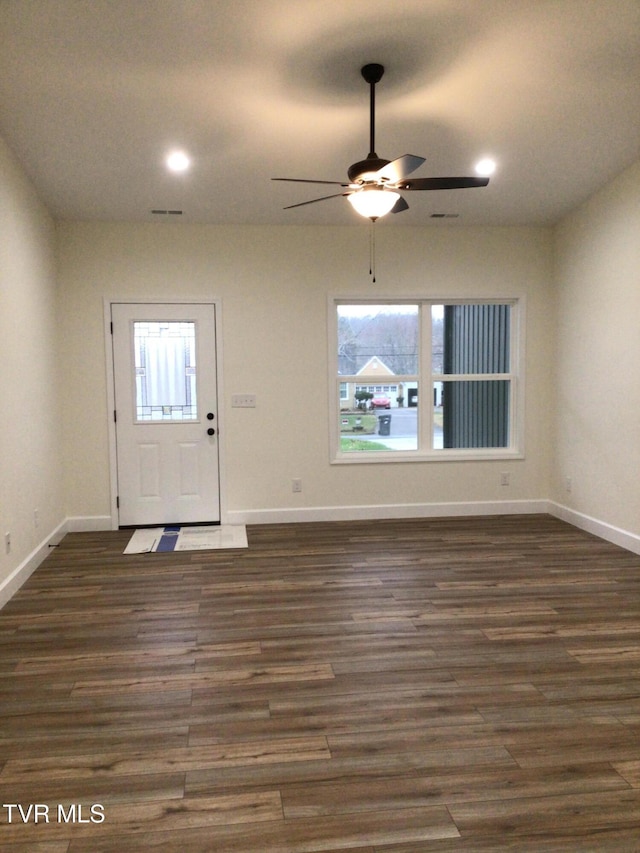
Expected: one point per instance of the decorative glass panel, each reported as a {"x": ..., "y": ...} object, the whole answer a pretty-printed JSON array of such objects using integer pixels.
[{"x": 165, "y": 364}]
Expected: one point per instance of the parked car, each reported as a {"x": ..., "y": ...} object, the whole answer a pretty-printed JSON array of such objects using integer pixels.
[{"x": 380, "y": 402}]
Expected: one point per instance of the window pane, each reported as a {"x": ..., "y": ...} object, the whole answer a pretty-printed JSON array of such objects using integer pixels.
[
  {"x": 472, "y": 414},
  {"x": 470, "y": 338},
  {"x": 377, "y": 340},
  {"x": 437, "y": 339},
  {"x": 165, "y": 365},
  {"x": 365, "y": 427}
]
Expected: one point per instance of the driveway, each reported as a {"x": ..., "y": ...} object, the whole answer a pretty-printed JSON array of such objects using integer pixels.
[{"x": 404, "y": 430}]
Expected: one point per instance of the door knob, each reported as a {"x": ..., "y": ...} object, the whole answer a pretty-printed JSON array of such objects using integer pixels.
[{"x": 211, "y": 431}]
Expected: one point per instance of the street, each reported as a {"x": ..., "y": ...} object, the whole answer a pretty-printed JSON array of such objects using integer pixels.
[{"x": 403, "y": 434}]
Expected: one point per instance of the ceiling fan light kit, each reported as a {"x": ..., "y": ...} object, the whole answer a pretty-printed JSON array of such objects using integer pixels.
[{"x": 373, "y": 202}]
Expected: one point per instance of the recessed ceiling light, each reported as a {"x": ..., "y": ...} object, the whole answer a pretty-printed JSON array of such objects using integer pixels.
[
  {"x": 485, "y": 167},
  {"x": 178, "y": 161}
]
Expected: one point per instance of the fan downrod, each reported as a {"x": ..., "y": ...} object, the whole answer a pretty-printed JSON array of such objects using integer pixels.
[{"x": 372, "y": 73}]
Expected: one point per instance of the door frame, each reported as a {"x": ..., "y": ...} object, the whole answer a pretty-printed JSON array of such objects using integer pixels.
[{"x": 108, "y": 301}]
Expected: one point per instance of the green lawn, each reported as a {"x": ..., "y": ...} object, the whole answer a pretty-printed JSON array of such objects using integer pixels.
[
  {"x": 368, "y": 423},
  {"x": 348, "y": 445}
]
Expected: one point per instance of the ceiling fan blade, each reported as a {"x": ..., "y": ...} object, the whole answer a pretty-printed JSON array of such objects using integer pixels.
[
  {"x": 441, "y": 183},
  {"x": 314, "y": 200},
  {"x": 397, "y": 169},
  {"x": 399, "y": 206},
  {"x": 306, "y": 181}
]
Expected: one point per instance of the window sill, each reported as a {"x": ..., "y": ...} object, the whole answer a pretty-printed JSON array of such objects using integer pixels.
[{"x": 474, "y": 454}]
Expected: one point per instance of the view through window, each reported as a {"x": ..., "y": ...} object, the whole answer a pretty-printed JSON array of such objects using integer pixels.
[{"x": 425, "y": 377}]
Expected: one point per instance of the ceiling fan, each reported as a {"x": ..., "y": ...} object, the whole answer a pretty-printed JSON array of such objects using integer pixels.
[{"x": 374, "y": 184}]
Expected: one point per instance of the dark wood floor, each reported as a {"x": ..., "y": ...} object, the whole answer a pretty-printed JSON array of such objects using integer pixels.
[{"x": 378, "y": 687}]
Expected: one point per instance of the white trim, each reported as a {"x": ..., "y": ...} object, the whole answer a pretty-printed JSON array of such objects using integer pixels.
[
  {"x": 111, "y": 406},
  {"x": 11, "y": 584},
  {"x": 473, "y": 454},
  {"x": 284, "y": 515},
  {"x": 108, "y": 301},
  {"x": 425, "y": 452},
  {"x": 609, "y": 532},
  {"x": 88, "y": 523},
  {"x": 375, "y": 511}
]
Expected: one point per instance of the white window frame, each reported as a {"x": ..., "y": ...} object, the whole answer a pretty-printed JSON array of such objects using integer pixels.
[{"x": 425, "y": 379}]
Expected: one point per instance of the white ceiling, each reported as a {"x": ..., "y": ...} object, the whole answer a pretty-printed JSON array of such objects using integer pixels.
[{"x": 94, "y": 92}]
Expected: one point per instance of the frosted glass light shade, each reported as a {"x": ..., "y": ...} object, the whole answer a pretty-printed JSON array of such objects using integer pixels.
[{"x": 373, "y": 202}]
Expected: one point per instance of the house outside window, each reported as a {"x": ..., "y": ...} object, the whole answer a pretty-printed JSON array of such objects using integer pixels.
[{"x": 426, "y": 379}]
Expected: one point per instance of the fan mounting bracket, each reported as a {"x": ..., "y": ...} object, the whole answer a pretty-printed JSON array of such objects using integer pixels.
[{"x": 372, "y": 72}]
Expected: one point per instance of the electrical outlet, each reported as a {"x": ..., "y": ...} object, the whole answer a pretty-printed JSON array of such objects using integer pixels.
[
  {"x": 7, "y": 543},
  {"x": 36, "y": 518},
  {"x": 243, "y": 401},
  {"x": 296, "y": 485},
  {"x": 568, "y": 484},
  {"x": 504, "y": 478}
]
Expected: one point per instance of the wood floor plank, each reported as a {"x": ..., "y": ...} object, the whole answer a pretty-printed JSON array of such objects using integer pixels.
[
  {"x": 138, "y": 788},
  {"x": 236, "y": 677},
  {"x": 170, "y": 759},
  {"x": 629, "y": 770},
  {"x": 530, "y": 816},
  {"x": 70, "y": 743},
  {"x": 444, "y": 786},
  {"x": 461, "y": 684},
  {"x": 325, "y": 835}
]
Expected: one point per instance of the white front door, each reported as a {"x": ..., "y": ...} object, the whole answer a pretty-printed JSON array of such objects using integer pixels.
[{"x": 164, "y": 364}]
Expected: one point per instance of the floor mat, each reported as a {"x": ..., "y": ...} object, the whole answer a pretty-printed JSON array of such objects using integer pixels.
[{"x": 176, "y": 538}]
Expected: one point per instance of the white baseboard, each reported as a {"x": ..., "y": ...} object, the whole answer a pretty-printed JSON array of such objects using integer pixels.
[
  {"x": 615, "y": 535},
  {"x": 21, "y": 573},
  {"x": 88, "y": 523},
  {"x": 376, "y": 511}
]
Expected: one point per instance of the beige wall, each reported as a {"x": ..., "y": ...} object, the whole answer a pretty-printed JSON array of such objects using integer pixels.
[
  {"x": 30, "y": 442},
  {"x": 598, "y": 374},
  {"x": 273, "y": 283}
]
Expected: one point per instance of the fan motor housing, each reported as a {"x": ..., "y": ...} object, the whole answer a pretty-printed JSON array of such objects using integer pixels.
[{"x": 371, "y": 164}]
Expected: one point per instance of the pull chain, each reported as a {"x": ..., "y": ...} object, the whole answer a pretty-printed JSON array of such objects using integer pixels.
[{"x": 372, "y": 250}]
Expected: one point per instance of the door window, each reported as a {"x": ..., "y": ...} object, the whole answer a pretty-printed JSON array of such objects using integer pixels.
[{"x": 165, "y": 371}]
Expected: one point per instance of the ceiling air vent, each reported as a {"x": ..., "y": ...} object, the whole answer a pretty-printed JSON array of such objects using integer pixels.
[
  {"x": 445, "y": 215},
  {"x": 167, "y": 212}
]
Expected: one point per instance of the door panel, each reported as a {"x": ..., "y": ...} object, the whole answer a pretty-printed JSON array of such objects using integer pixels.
[
  {"x": 149, "y": 470},
  {"x": 165, "y": 379},
  {"x": 189, "y": 470}
]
